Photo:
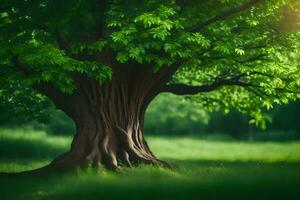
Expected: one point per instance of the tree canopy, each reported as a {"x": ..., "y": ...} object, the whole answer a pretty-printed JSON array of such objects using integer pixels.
[
  {"x": 227, "y": 53},
  {"x": 103, "y": 62}
]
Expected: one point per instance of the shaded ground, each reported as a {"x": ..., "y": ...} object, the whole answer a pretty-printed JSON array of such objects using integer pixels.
[{"x": 205, "y": 170}]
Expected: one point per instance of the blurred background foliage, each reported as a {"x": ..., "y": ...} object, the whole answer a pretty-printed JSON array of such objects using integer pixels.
[{"x": 175, "y": 115}]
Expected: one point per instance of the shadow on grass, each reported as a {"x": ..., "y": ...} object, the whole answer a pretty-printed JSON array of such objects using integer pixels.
[
  {"x": 29, "y": 150},
  {"x": 233, "y": 180},
  {"x": 200, "y": 179}
]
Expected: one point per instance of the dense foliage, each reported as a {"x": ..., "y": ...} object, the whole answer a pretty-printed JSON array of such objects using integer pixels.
[{"x": 241, "y": 50}]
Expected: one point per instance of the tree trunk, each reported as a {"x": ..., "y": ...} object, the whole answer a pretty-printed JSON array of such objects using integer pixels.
[{"x": 109, "y": 120}]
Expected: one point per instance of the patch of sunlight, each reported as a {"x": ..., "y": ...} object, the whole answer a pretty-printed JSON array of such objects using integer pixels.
[{"x": 185, "y": 148}]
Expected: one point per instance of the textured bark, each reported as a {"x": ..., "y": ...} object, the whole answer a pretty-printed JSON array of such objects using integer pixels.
[{"x": 109, "y": 119}]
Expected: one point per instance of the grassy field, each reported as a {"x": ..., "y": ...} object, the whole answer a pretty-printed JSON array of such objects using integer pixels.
[{"x": 205, "y": 169}]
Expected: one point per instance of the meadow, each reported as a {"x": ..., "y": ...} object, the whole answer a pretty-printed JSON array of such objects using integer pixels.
[{"x": 205, "y": 169}]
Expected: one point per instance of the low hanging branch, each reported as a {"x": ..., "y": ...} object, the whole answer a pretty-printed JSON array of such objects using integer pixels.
[
  {"x": 183, "y": 89},
  {"x": 225, "y": 14}
]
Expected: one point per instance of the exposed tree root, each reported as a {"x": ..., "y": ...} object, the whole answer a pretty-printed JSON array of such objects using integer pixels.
[{"x": 56, "y": 169}]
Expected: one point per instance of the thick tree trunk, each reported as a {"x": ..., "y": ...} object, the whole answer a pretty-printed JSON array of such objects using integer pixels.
[
  {"x": 110, "y": 137},
  {"x": 109, "y": 121}
]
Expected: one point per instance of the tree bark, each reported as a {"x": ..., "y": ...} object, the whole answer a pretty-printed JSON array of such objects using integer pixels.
[{"x": 109, "y": 119}]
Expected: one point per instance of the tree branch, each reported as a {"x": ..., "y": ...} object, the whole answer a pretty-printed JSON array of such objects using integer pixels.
[
  {"x": 225, "y": 14},
  {"x": 62, "y": 42},
  {"x": 61, "y": 100},
  {"x": 182, "y": 89},
  {"x": 59, "y": 36},
  {"x": 234, "y": 80},
  {"x": 65, "y": 45},
  {"x": 251, "y": 59},
  {"x": 22, "y": 67}
]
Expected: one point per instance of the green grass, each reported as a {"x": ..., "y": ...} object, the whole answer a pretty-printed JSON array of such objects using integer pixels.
[{"x": 205, "y": 170}]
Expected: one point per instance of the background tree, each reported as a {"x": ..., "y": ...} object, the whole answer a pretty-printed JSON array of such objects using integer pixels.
[{"x": 103, "y": 62}]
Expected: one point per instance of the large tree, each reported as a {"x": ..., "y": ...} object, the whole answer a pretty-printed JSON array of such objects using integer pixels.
[{"x": 103, "y": 61}]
